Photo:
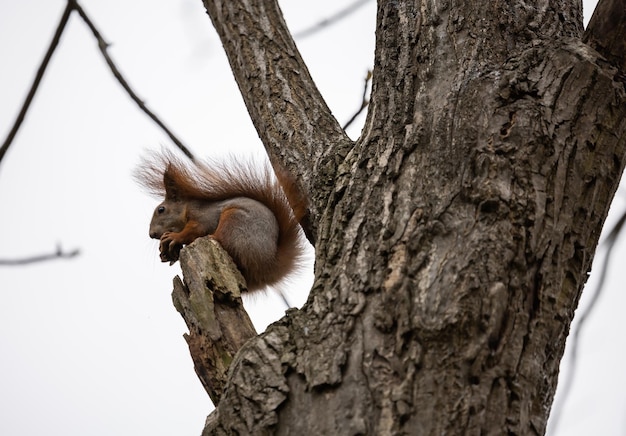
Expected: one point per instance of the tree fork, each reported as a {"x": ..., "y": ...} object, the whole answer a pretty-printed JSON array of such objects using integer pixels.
[{"x": 453, "y": 238}]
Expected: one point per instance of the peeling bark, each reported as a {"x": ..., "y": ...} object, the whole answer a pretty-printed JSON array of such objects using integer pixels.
[{"x": 209, "y": 300}]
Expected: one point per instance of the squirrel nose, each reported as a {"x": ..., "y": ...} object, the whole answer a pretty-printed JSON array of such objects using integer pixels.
[{"x": 155, "y": 235}]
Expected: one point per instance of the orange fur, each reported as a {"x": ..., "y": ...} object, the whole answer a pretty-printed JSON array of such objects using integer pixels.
[{"x": 213, "y": 199}]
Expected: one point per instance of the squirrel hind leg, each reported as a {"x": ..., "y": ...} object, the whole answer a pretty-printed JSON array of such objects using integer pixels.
[{"x": 250, "y": 238}]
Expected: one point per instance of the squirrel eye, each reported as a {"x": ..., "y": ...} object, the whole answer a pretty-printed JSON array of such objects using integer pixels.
[{"x": 160, "y": 209}]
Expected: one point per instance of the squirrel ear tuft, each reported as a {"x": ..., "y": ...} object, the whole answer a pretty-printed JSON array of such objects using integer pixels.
[{"x": 169, "y": 182}]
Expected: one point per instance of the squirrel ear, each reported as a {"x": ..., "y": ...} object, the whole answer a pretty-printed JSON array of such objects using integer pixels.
[{"x": 169, "y": 182}]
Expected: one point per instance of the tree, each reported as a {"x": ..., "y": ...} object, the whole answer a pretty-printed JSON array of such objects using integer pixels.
[{"x": 454, "y": 237}]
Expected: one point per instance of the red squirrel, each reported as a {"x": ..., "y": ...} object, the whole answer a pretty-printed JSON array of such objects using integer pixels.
[{"x": 243, "y": 208}]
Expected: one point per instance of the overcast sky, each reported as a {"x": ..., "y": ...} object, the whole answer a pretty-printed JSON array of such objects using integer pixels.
[{"x": 93, "y": 345}]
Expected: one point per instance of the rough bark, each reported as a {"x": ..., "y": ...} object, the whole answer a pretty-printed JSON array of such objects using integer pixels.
[
  {"x": 453, "y": 238},
  {"x": 290, "y": 115},
  {"x": 606, "y": 31},
  {"x": 209, "y": 300}
]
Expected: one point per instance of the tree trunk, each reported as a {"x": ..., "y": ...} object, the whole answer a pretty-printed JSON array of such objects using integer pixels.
[{"x": 453, "y": 238}]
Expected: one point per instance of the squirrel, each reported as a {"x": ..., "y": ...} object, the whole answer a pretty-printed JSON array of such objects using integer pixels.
[{"x": 243, "y": 208}]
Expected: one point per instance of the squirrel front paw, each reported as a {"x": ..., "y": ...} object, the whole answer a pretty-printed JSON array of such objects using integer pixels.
[{"x": 169, "y": 247}]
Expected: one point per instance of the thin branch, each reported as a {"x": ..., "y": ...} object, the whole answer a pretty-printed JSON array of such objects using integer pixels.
[
  {"x": 353, "y": 7},
  {"x": 73, "y": 5},
  {"x": 364, "y": 101},
  {"x": 40, "y": 73},
  {"x": 58, "y": 254},
  {"x": 574, "y": 344},
  {"x": 285, "y": 300},
  {"x": 103, "y": 46}
]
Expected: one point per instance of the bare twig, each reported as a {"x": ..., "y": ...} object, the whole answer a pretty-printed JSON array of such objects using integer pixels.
[
  {"x": 73, "y": 5},
  {"x": 284, "y": 298},
  {"x": 58, "y": 254},
  {"x": 103, "y": 46},
  {"x": 575, "y": 340},
  {"x": 40, "y": 73},
  {"x": 330, "y": 20},
  {"x": 364, "y": 101}
]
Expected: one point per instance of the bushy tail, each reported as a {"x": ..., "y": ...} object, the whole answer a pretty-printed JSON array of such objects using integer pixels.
[{"x": 232, "y": 177}]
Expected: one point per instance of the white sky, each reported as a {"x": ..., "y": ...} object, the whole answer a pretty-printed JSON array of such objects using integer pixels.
[{"x": 93, "y": 345}]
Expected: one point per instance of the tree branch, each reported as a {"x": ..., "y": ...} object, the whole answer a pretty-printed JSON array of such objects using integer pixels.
[
  {"x": 71, "y": 6},
  {"x": 343, "y": 13},
  {"x": 364, "y": 101},
  {"x": 574, "y": 341},
  {"x": 103, "y": 46},
  {"x": 296, "y": 127},
  {"x": 209, "y": 300},
  {"x": 40, "y": 73},
  {"x": 606, "y": 33},
  {"x": 58, "y": 254}
]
